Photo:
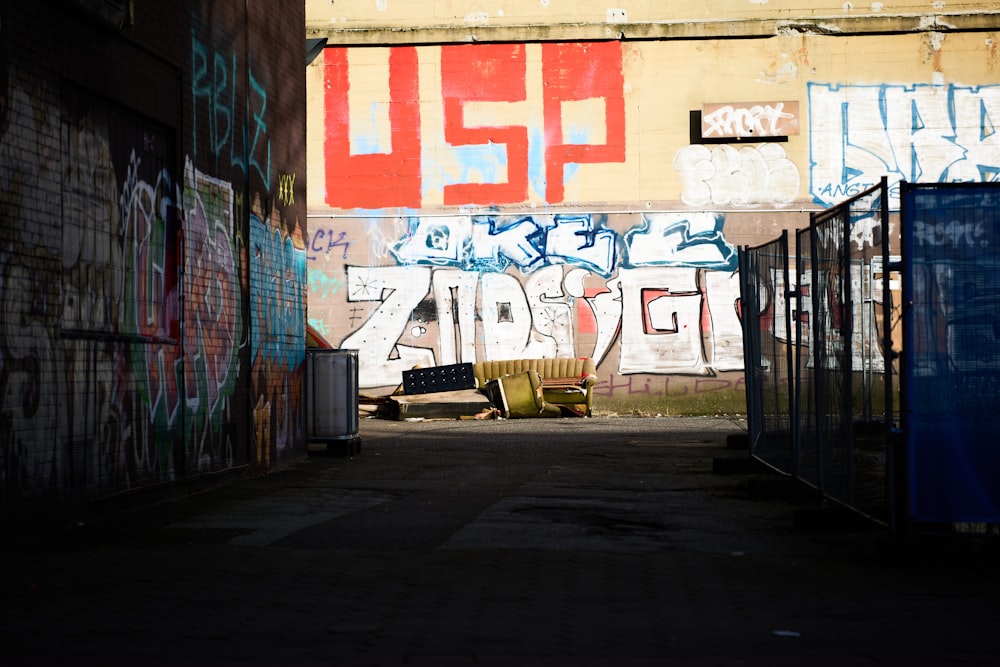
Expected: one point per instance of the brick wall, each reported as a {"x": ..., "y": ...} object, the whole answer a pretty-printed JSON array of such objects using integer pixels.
[{"x": 152, "y": 266}]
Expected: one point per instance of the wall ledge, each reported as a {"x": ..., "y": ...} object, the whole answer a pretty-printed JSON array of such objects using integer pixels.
[{"x": 873, "y": 24}]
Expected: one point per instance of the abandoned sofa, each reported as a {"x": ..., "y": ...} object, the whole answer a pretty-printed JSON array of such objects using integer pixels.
[{"x": 540, "y": 387}]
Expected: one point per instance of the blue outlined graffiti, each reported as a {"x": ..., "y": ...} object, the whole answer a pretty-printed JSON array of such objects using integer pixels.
[
  {"x": 692, "y": 240},
  {"x": 499, "y": 242},
  {"x": 580, "y": 241},
  {"x": 278, "y": 270},
  {"x": 493, "y": 243},
  {"x": 441, "y": 241},
  {"x": 916, "y": 133}
]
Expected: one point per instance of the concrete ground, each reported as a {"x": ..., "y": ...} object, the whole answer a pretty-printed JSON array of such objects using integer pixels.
[{"x": 558, "y": 542}]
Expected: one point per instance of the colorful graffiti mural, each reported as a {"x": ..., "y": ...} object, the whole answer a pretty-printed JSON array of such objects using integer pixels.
[
  {"x": 213, "y": 315},
  {"x": 461, "y": 288},
  {"x": 143, "y": 306},
  {"x": 480, "y": 266},
  {"x": 277, "y": 334},
  {"x": 89, "y": 346},
  {"x": 265, "y": 262}
]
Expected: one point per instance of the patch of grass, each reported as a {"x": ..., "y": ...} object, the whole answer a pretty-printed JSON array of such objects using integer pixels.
[{"x": 680, "y": 405}]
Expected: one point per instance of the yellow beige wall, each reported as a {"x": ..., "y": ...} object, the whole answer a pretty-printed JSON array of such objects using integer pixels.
[
  {"x": 618, "y": 237},
  {"x": 387, "y": 21}
]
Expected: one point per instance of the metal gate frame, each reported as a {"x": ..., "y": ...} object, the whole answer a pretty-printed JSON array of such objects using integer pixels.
[{"x": 815, "y": 439}]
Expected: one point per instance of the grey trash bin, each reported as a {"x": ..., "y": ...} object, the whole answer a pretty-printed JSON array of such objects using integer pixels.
[{"x": 332, "y": 400}]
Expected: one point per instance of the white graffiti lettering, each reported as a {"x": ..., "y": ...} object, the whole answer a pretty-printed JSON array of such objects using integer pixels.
[
  {"x": 759, "y": 120},
  {"x": 455, "y": 296},
  {"x": 492, "y": 241},
  {"x": 722, "y": 291},
  {"x": 955, "y": 233},
  {"x": 919, "y": 133},
  {"x": 397, "y": 290},
  {"x": 748, "y": 176},
  {"x": 575, "y": 240},
  {"x": 661, "y": 322},
  {"x": 506, "y": 316},
  {"x": 441, "y": 241},
  {"x": 680, "y": 239}
]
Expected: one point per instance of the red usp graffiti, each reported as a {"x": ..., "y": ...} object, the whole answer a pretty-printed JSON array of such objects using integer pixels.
[{"x": 375, "y": 177}]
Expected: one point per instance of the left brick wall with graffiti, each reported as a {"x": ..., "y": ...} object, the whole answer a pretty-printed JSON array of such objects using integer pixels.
[{"x": 152, "y": 262}]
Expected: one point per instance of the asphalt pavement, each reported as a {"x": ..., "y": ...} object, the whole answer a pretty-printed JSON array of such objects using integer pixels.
[{"x": 557, "y": 542}]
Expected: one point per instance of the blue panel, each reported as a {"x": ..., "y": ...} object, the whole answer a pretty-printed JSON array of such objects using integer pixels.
[{"x": 951, "y": 348}]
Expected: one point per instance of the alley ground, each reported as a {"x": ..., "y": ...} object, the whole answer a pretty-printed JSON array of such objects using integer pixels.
[{"x": 563, "y": 542}]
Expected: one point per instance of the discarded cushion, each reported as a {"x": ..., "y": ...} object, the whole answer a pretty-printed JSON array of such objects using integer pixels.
[{"x": 520, "y": 395}]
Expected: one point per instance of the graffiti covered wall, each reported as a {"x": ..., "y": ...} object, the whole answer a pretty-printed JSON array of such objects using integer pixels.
[
  {"x": 462, "y": 288},
  {"x": 152, "y": 262},
  {"x": 487, "y": 201}
]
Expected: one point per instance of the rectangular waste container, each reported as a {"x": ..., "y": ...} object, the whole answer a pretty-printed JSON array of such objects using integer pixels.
[{"x": 332, "y": 400}]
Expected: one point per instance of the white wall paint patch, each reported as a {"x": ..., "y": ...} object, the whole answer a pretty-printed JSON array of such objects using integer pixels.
[{"x": 381, "y": 5}]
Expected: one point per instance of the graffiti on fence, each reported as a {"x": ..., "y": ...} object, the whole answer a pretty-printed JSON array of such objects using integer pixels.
[{"x": 866, "y": 334}]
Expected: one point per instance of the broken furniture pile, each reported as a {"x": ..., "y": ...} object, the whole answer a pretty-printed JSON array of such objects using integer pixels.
[{"x": 511, "y": 389}]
